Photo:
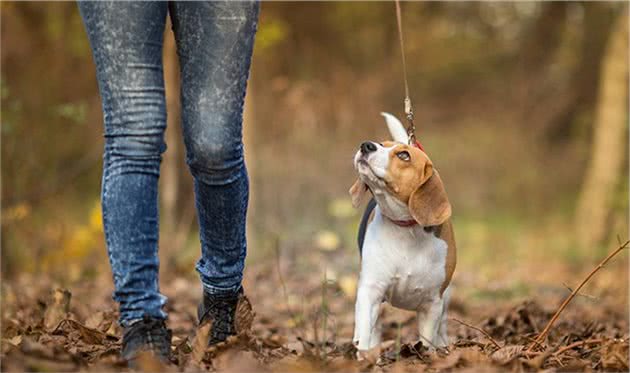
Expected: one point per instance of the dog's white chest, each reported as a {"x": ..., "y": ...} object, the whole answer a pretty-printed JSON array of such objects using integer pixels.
[{"x": 406, "y": 264}]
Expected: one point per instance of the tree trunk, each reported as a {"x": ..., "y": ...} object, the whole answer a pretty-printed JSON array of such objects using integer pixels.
[
  {"x": 545, "y": 36},
  {"x": 596, "y": 30},
  {"x": 609, "y": 139}
]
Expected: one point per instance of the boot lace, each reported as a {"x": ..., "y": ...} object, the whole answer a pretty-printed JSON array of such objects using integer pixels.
[{"x": 220, "y": 309}]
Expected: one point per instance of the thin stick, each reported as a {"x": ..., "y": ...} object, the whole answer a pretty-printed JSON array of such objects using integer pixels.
[
  {"x": 621, "y": 359},
  {"x": 479, "y": 330},
  {"x": 577, "y": 344},
  {"x": 564, "y": 304}
]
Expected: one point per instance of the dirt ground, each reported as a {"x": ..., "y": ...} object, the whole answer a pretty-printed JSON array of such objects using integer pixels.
[{"x": 300, "y": 324}]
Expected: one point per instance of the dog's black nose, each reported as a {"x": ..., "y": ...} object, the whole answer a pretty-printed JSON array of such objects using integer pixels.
[{"x": 368, "y": 147}]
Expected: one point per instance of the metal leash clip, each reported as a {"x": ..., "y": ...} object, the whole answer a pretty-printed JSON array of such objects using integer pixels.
[{"x": 411, "y": 130}]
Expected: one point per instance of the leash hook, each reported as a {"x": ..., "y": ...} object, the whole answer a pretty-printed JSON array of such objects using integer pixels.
[{"x": 411, "y": 129}]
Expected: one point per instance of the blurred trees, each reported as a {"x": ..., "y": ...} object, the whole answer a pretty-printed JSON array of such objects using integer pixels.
[
  {"x": 610, "y": 137},
  {"x": 519, "y": 79}
]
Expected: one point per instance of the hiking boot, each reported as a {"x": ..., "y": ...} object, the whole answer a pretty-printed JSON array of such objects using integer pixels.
[
  {"x": 220, "y": 309},
  {"x": 149, "y": 334}
]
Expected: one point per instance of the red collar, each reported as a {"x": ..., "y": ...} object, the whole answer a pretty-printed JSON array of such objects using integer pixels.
[
  {"x": 418, "y": 145},
  {"x": 403, "y": 223}
]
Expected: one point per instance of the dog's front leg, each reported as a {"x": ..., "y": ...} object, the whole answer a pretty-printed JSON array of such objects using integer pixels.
[
  {"x": 442, "y": 329},
  {"x": 429, "y": 323},
  {"x": 366, "y": 334}
]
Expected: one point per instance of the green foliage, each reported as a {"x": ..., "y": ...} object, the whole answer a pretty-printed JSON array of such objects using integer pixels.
[
  {"x": 269, "y": 35},
  {"x": 75, "y": 112}
]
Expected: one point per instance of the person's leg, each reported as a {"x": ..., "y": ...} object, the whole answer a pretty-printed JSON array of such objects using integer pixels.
[
  {"x": 214, "y": 44},
  {"x": 126, "y": 40}
]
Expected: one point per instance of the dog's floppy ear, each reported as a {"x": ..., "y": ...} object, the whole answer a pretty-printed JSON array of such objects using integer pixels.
[
  {"x": 396, "y": 128},
  {"x": 429, "y": 204},
  {"x": 358, "y": 190}
]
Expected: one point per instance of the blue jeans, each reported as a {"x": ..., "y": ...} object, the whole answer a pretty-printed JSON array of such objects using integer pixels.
[{"x": 214, "y": 44}]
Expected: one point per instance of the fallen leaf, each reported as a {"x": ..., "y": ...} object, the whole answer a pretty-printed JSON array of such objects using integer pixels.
[
  {"x": 506, "y": 354},
  {"x": 538, "y": 361},
  {"x": 114, "y": 329},
  {"x": 244, "y": 315},
  {"x": 274, "y": 341},
  {"x": 296, "y": 347},
  {"x": 200, "y": 342},
  {"x": 16, "y": 341},
  {"x": 615, "y": 356},
  {"x": 87, "y": 335},
  {"x": 57, "y": 308},
  {"x": 182, "y": 351}
]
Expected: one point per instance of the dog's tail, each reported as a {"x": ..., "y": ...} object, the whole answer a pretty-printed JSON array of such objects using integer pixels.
[{"x": 364, "y": 222}]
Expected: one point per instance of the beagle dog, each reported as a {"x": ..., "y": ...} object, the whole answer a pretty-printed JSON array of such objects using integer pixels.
[{"x": 405, "y": 238}]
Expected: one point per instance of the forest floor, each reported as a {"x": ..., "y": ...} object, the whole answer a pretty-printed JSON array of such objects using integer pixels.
[{"x": 304, "y": 322}]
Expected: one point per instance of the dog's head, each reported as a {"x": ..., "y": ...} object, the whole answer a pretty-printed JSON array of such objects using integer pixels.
[{"x": 401, "y": 177}]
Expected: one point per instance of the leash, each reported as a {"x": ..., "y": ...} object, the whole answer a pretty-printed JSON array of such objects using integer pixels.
[{"x": 411, "y": 130}]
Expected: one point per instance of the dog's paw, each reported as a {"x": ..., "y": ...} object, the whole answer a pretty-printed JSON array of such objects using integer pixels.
[
  {"x": 373, "y": 355},
  {"x": 369, "y": 356}
]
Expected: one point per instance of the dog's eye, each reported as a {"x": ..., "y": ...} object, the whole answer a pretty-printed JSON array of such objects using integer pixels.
[{"x": 404, "y": 155}]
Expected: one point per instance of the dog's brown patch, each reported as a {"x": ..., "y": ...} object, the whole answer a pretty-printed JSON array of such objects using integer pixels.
[
  {"x": 429, "y": 203},
  {"x": 446, "y": 233},
  {"x": 415, "y": 183},
  {"x": 404, "y": 177}
]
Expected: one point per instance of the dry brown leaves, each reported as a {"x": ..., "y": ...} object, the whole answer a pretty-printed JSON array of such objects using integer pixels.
[{"x": 53, "y": 333}]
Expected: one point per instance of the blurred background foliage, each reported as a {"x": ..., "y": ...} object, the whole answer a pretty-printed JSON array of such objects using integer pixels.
[{"x": 521, "y": 105}]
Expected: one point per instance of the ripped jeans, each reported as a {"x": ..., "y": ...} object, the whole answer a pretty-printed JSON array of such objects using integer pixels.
[{"x": 214, "y": 44}]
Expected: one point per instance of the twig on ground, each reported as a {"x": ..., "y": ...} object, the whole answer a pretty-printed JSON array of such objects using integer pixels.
[
  {"x": 324, "y": 309},
  {"x": 621, "y": 359},
  {"x": 541, "y": 337},
  {"x": 398, "y": 339},
  {"x": 479, "y": 330},
  {"x": 558, "y": 360},
  {"x": 532, "y": 340},
  {"x": 577, "y": 344}
]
